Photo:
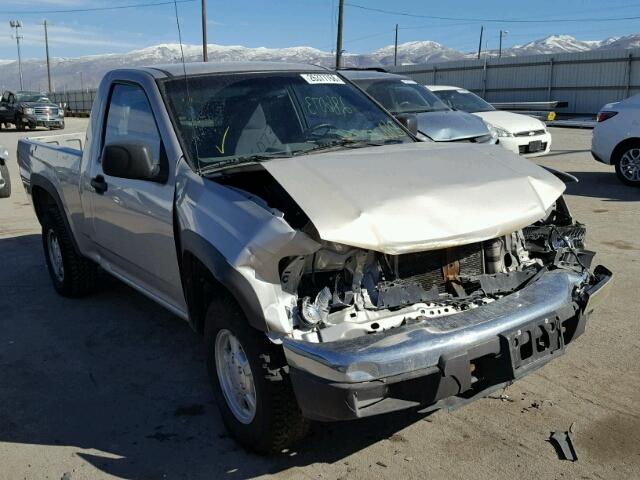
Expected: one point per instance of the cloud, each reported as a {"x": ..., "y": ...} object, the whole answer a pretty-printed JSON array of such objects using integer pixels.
[{"x": 61, "y": 35}]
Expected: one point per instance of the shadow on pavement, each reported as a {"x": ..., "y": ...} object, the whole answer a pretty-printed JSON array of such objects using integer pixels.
[
  {"x": 123, "y": 381},
  {"x": 603, "y": 185}
]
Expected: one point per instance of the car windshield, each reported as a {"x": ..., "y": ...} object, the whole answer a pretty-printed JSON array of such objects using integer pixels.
[
  {"x": 402, "y": 96},
  {"x": 32, "y": 97},
  {"x": 464, "y": 100},
  {"x": 227, "y": 119}
]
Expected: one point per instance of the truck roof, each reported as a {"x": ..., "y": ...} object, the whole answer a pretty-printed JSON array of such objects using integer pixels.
[{"x": 200, "y": 68}]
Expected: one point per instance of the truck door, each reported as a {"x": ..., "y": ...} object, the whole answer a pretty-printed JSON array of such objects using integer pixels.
[{"x": 132, "y": 218}]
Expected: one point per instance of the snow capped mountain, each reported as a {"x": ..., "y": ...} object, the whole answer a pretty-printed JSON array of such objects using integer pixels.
[
  {"x": 566, "y": 44},
  {"x": 416, "y": 52},
  {"x": 71, "y": 73}
]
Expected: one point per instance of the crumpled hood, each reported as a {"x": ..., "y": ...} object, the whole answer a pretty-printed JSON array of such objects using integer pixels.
[
  {"x": 418, "y": 196},
  {"x": 450, "y": 125}
]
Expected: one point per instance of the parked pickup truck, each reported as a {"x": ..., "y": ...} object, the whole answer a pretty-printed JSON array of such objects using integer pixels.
[
  {"x": 30, "y": 109},
  {"x": 337, "y": 267}
]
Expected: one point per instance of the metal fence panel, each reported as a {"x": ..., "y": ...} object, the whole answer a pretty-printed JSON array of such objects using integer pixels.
[{"x": 586, "y": 80}]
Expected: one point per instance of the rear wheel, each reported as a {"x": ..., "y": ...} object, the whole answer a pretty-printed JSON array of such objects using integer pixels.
[
  {"x": 5, "y": 181},
  {"x": 250, "y": 382},
  {"x": 628, "y": 165},
  {"x": 72, "y": 274}
]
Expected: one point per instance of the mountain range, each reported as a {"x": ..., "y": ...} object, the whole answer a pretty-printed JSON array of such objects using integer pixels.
[{"x": 74, "y": 73}]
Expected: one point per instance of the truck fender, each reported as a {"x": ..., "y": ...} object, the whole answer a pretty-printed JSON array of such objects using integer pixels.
[
  {"x": 38, "y": 181},
  {"x": 226, "y": 275}
]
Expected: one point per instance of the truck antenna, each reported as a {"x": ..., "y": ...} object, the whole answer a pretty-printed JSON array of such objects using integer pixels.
[{"x": 186, "y": 84}]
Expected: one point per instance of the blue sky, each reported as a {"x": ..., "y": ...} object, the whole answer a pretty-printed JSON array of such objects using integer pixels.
[{"x": 283, "y": 23}]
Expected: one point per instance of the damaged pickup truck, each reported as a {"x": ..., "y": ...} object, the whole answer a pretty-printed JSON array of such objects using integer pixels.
[{"x": 337, "y": 267}]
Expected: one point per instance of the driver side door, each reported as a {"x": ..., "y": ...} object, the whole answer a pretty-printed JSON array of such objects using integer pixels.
[{"x": 133, "y": 218}]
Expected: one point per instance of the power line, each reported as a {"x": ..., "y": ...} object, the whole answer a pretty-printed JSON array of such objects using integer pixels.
[
  {"x": 95, "y": 9},
  {"x": 489, "y": 20}
]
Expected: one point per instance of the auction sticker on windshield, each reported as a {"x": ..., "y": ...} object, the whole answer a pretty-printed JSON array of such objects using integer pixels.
[{"x": 322, "y": 78}]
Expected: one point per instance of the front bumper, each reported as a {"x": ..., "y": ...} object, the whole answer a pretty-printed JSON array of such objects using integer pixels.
[
  {"x": 520, "y": 145},
  {"x": 448, "y": 361},
  {"x": 43, "y": 121}
]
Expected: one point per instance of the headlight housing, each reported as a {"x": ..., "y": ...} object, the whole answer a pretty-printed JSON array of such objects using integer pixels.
[
  {"x": 501, "y": 132},
  {"x": 27, "y": 110}
]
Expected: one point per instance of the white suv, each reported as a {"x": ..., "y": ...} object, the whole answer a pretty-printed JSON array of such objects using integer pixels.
[{"x": 616, "y": 139}]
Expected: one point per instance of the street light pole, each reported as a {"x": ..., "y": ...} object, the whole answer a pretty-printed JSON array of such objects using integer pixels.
[
  {"x": 502, "y": 32},
  {"x": 395, "y": 50},
  {"x": 205, "y": 54},
  {"x": 46, "y": 43},
  {"x": 339, "y": 39},
  {"x": 18, "y": 24}
]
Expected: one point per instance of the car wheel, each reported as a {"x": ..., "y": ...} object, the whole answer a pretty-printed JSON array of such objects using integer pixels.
[
  {"x": 5, "y": 181},
  {"x": 250, "y": 382},
  {"x": 628, "y": 166},
  {"x": 72, "y": 274}
]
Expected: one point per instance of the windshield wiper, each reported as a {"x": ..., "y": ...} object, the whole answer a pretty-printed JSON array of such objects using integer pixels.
[
  {"x": 243, "y": 160},
  {"x": 350, "y": 143}
]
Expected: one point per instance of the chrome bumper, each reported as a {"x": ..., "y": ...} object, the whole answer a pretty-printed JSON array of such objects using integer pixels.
[{"x": 408, "y": 350}]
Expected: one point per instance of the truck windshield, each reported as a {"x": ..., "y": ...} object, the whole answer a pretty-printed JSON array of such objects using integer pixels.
[
  {"x": 225, "y": 119},
  {"x": 464, "y": 100},
  {"x": 32, "y": 97}
]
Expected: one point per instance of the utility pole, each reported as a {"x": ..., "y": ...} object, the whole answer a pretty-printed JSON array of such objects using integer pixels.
[
  {"x": 46, "y": 43},
  {"x": 81, "y": 82},
  {"x": 502, "y": 32},
  {"x": 18, "y": 24},
  {"x": 480, "y": 44},
  {"x": 395, "y": 50},
  {"x": 339, "y": 39},
  {"x": 205, "y": 55}
]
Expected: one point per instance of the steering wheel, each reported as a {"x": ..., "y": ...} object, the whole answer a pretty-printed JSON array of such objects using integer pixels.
[{"x": 320, "y": 130}]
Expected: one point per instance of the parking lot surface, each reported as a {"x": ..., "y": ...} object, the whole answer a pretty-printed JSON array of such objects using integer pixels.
[{"x": 113, "y": 386}]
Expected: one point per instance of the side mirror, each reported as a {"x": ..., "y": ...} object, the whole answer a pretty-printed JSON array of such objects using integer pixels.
[
  {"x": 132, "y": 160},
  {"x": 408, "y": 121}
]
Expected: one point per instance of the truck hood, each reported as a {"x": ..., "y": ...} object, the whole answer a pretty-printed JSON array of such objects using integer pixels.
[
  {"x": 419, "y": 196},
  {"x": 449, "y": 125}
]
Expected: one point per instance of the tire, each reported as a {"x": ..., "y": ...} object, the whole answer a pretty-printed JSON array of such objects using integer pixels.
[
  {"x": 628, "y": 165},
  {"x": 5, "y": 190},
  {"x": 78, "y": 274},
  {"x": 277, "y": 422}
]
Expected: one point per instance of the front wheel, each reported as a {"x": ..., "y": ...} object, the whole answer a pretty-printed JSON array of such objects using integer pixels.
[
  {"x": 628, "y": 166},
  {"x": 250, "y": 382},
  {"x": 72, "y": 274}
]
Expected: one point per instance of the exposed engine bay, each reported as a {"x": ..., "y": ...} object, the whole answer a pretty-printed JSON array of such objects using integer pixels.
[{"x": 343, "y": 292}]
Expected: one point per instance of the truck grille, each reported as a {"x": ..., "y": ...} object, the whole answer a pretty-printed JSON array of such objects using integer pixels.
[
  {"x": 425, "y": 268},
  {"x": 50, "y": 111}
]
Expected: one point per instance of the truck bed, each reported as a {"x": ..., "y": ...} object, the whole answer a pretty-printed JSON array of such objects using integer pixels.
[{"x": 49, "y": 156}]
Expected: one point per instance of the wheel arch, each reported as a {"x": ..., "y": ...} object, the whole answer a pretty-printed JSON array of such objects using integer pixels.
[
  {"x": 207, "y": 276},
  {"x": 620, "y": 148},
  {"x": 44, "y": 195}
]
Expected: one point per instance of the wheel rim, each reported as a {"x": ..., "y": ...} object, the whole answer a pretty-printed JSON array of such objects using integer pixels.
[
  {"x": 630, "y": 165},
  {"x": 235, "y": 376},
  {"x": 55, "y": 255}
]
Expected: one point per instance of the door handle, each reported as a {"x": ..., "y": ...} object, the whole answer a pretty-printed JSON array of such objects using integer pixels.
[{"x": 99, "y": 184}]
